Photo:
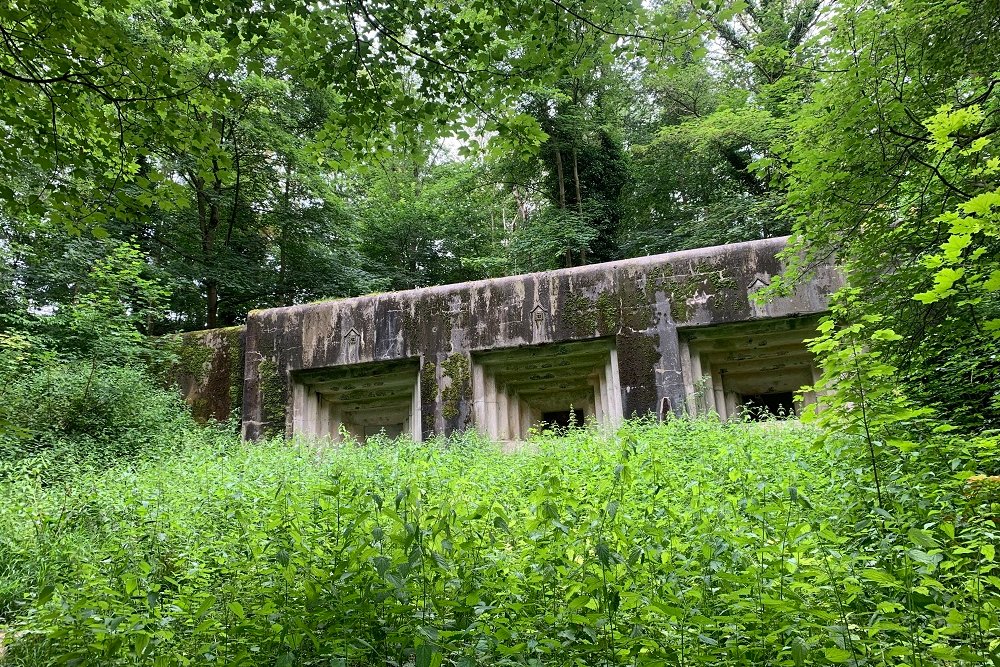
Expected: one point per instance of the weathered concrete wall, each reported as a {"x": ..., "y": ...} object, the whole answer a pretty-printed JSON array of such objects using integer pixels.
[
  {"x": 208, "y": 370},
  {"x": 640, "y": 305}
]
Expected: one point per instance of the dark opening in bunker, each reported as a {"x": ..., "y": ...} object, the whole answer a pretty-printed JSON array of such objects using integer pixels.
[
  {"x": 763, "y": 406},
  {"x": 518, "y": 388},
  {"x": 563, "y": 419},
  {"x": 752, "y": 368},
  {"x": 361, "y": 400}
]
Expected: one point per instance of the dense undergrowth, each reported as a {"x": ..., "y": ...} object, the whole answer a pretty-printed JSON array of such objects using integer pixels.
[{"x": 686, "y": 543}]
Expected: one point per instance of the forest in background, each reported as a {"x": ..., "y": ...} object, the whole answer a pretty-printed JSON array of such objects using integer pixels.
[{"x": 264, "y": 158}]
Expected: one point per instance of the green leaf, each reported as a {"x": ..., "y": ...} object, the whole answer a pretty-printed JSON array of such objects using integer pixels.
[
  {"x": 45, "y": 594},
  {"x": 836, "y": 654},
  {"x": 922, "y": 538},
  {"x": 237, "y": 609},
  {"x": 427, "y": 656},
  {"x": 800, "y": 651},
  {"x": 880, "y": 577}
]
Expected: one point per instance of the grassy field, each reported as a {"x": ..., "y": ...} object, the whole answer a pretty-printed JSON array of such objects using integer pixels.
[{"x": 686, "y": 543}]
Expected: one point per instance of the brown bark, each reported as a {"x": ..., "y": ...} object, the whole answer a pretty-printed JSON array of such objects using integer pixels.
[
  {"x": 562, "y": 180},
  {"x": 212, "y": 289},
  {"x": 579, "y": 200}
]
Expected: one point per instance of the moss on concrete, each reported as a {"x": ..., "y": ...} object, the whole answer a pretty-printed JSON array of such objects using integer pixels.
[
  {"x": 272, "y": 399},
  {"x": 579, "y": 313},
  {"x": 607, "y": 312},
  {"x": 428, "y": 382},
  {"x": 709, "y": 277},
  {"x": 207, "y": 367},
  {"x": 456, "y": 369},
  {"x": 234, "y": 350},
  {"x": 638, "y": 357},
  {"x": 194, "y": 357},
  {"x": 679, "y": 295}
]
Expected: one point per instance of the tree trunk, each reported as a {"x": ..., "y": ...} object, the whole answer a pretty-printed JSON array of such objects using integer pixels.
[
  {"x": 283, "y": 291},
  {"x": 579, "y": 200},
  {"x": 576, "y": 182},
  {"x": 562, "y": 180},
  {"x": 212, "y": 289},
  {"x": 208, "y": 245}
]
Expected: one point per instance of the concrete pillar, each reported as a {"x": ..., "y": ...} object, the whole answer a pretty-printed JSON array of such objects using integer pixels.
[
  {"x": 609, "y": 413},
  {"x": 308, "y": 413},
  {"x": 490, "y": 400},
  {"x": 527, "y": 419},
  {"x": 315, "y": 414},
  {"x": 503, "y": 418},
  {"x": 818, "y": 395},
  {"x": 614, "y": 390},
  {"x": 514, "y": 417},
  {"x": 479, "y": 397},
  {"x": 690, "y": 404},
  {"x": 599, "y": 400},
  {"x": 414, "y": 427},
  {"x": 298, "y": 407},
  {"x": 732, "y": 404},
  {"x": 721, "y": 399},
  {"x": 335, "y": 420},
  {"x": 701, "y": 384},
  {"x": 321, "y": 416}
]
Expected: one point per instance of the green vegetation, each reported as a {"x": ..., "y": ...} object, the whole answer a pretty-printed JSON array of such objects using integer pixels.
[
  {"x": 686, "y": 543},
  {"x": 172, "y": 164},
  {"x": 456, "y": 369}
]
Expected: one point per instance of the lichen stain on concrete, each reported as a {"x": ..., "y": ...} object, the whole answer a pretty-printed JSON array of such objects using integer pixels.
[{"x": 457, "y": 385}]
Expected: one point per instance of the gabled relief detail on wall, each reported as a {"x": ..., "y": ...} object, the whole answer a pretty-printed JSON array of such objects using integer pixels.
[
  {"x": 758, "y": 283},
  {"x": 539, "y": 315},
  {"x": 351, "y": 351}
]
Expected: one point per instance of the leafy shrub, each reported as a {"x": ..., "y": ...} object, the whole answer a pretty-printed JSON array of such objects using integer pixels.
[{"x": 76, "y": 413}]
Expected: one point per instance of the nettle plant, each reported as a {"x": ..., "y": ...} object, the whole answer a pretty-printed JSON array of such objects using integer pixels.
[{"x": 687, "y": 543}]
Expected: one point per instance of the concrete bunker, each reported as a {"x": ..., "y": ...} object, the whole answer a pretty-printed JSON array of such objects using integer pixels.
[
  {"x": 665, "y": 334},
  {"x": 360, "y": 399},
  {"x": 753, "y": 368},
  {"x": 515, "y": 389}
]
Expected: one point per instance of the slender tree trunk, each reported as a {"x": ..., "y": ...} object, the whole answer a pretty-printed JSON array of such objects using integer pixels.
[
  {"x": 579, "y": 200},
  {"x": 283, "y": 291},
  {"x": 212, "y": 288},
  {"x": 212, "y": 284},
  {"x": 562, "y": 180},
  {"x": 568, "y": 253},
  {"x": 576, "y": 182}
]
